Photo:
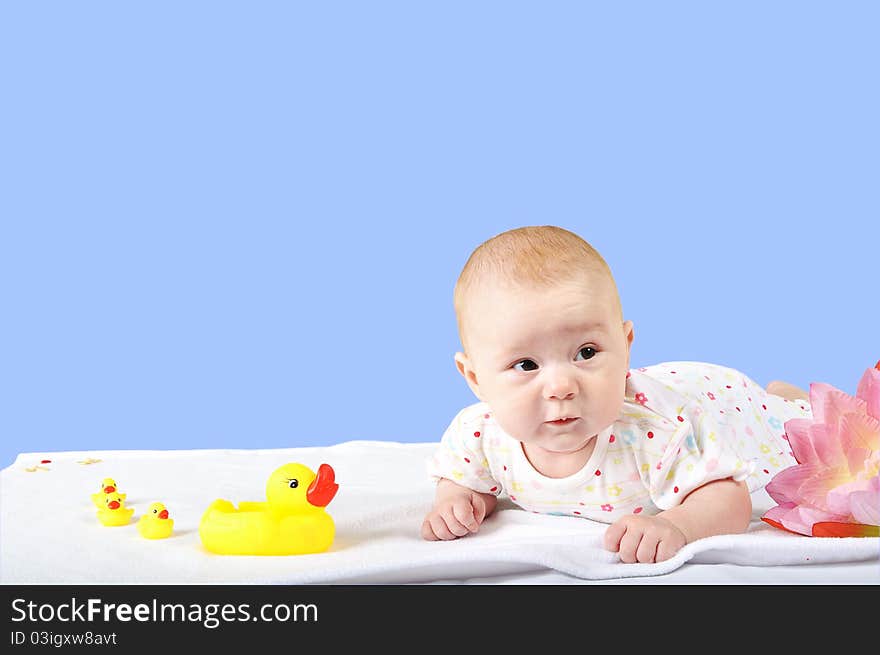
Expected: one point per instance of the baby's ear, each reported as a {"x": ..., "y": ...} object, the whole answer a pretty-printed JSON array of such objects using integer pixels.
[
  {"x": 629, "y": 334},
  {"x": 463, "y": 364}
]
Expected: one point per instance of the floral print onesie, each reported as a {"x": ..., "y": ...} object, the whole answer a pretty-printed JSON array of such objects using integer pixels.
[{"x": 682, "y": 424}]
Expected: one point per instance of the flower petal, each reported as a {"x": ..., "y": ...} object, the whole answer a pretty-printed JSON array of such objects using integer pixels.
[
  {"x": 869, "y": 390},
  {"x": 798, "y": 518},
  {"x": 829, "y": 403},
  {"x": 840, "y": 497},
  {"x": 835, "y": 529},
  {"x": 860, "y": 441},
  {"x": 776, "y": 524},
  {"x": 798, "y": 432},
  {"x": 859, "y": 431},
  {"x": 784, "y": 485},
  {"x": 825, "y": 439},
  {"x": 778, "y": 517},
  {"x": 865, "y": 505},
  {"x": 787, "y": 485},
  {"x": 815, "y": 489}
]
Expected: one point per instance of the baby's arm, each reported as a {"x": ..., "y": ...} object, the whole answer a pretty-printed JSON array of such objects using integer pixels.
[
  {"x": 457, "y": 511},
  {"x": 719, "y": 507},
  {"x": 788, "y": 391}
]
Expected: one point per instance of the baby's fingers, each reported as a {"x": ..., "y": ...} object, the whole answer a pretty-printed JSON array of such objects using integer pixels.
[
  {"x": 666, "y": 549},
  {"x": 480, "y": 507},
  {"x": 428, "y": 531},
  {"x": 464, "y": 514},
  {"x": 435, "y": 528},
  {"x": 647, "y": 549},
  {"x": 613, "y": 535},
  {"x": 629, "y": 544}
]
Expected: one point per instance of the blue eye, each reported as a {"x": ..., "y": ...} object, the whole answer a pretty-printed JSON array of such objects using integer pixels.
[
  {"x": 527, "y": 365},
  {"x": 586, "y": 352}
]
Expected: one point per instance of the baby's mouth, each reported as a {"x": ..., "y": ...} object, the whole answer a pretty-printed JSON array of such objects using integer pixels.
[{"x": 564, "y": 421}]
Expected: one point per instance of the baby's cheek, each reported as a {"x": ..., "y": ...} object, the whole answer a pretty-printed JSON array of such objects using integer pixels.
[
  {"x": 511, "y": 424},
  {"x": 510, "y": 416}
]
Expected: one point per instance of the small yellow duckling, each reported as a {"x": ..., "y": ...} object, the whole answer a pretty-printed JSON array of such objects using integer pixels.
[
  {"x": 292, "y": 521},
  {"x": 155, "y": 524},
  {"x": 108, "y": 486},
  {"x": 114, "y": 511}
]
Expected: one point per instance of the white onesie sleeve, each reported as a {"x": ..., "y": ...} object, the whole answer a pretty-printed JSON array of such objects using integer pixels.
[
  {"x": 691, "y": 460},
  {"x": 724, "y": 426},
  {"x": 460, "y": 457}
]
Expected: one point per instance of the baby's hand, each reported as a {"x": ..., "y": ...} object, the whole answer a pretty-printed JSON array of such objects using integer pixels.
[
  {"x": 457, "y": 514},
  {"x": 644, "y": 539}
]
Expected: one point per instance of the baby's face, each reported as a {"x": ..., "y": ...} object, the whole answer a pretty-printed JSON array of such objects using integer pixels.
[{"x": 541, "y": 355}]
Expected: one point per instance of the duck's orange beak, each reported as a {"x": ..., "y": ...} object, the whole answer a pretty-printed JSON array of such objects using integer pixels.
[
  {"x": 109, "y": 489},
  {"x": 323, "y": 487},
  {"x": 163, "y": 514},
  {"x": 113, "y": 504}
]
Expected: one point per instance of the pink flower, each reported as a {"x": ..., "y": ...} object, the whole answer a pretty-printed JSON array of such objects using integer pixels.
[
  {"x": 641, "y": 398},
  {"x": 607, "y": 508},
  {"x": 834, "y": 489}
]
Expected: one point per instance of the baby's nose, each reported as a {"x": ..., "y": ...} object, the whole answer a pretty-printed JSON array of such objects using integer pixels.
[
  {"x": 561, "y": 395},
  {"x": 560, "y": 386}
]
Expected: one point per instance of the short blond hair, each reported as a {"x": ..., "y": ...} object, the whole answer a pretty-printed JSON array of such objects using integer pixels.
[{"x": 539, "y": 255}]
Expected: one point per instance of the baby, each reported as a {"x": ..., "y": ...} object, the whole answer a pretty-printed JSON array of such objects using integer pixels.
[{"x": 666, "y": 454}]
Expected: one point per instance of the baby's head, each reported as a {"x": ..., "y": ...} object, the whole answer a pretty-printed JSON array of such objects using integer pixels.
[{"x": 544, "y": 338}]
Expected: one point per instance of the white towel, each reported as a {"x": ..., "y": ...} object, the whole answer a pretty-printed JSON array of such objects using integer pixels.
[{"x": 49, "y": 532}]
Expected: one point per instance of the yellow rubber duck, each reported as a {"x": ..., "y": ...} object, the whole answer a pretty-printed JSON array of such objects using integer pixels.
[
  {"x": 292, "y": 521},
  {"x": 115, "y": 512},
  {"x": 108, "y": 486},
  {"x": 155, "y": 524}
]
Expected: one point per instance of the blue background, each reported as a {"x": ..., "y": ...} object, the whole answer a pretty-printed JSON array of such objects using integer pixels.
[{"x": 238, "y": 224}]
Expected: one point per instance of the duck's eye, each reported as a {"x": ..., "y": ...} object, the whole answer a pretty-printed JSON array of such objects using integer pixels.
[
  {"x": 293, "y": 484},
  {"x": 155, "y": 511}
]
